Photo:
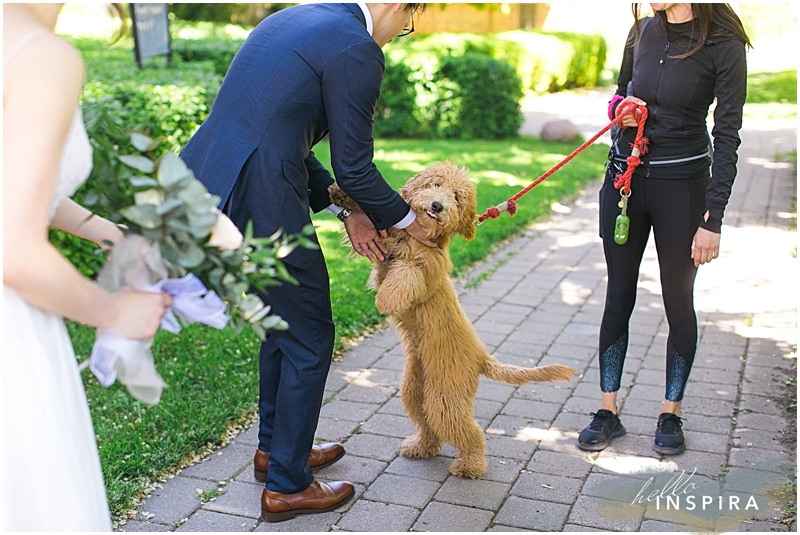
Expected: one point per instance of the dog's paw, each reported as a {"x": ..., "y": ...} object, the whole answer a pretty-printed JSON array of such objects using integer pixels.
[
  {"x": 468, "y": 468},
  {"x": 385, "y": 304},
  {"x": 416, "y": 448},
  {"x": 340, "y": 198}
]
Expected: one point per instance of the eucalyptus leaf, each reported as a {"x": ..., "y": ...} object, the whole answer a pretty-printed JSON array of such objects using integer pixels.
[
  {"x": 283, "y": 273},
  {"x": 143, "y": 215},
  {"x": 178, "y": 225},
  {"x": 285, "y": 250},
  {"x": 215, "y": 276},
  {"x": 260, "y": 331},
  {"x": 250, "y": 305},
  {"x": 194, "y": 194},
  {"x": 143, "y": 181},
  {"x": 111, "y": 125},
  {"x": 140, "y": 142},
  {"x": 239, "y": 288},
  {"x": 271, "y": 322},
  {"x": 152, "y": 235},
  {"x": 202, "y": 225},
  {"x": 171, "y": 170},
  {"x": 169, "y": 250},
  {"x": 91, "y": 198},
  {"x": 140, "y": 163},
  {"x": 191, "y": 255},
  {"x": 248, "y": 233},
  {"x": 168, "y": 206},
  {"x": 258, "y": 316}
]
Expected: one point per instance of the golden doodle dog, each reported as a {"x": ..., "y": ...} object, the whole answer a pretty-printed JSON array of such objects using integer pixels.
[{"x": 443, "y": 354}]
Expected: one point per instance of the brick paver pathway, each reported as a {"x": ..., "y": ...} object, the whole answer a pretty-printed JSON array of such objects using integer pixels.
[{"x": 542, "y": 303}]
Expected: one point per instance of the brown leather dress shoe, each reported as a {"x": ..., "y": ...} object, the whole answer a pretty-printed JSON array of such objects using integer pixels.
[
  {"x": 317, "y": 498},
  {"x": 322, "y": 455}
]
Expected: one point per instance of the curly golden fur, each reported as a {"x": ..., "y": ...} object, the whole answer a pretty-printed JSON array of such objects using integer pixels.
[{"x": 444, "y": 356}]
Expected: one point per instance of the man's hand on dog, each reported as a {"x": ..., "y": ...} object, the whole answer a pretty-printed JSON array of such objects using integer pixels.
[
  {"x": 364, "y": 237},
  {"x": 418, "y": 232}
]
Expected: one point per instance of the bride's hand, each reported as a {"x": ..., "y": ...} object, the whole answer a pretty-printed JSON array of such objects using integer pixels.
[{"x": 138, "y": 314}]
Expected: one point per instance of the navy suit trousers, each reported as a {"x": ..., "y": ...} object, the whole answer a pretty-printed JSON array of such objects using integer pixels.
[{"x": 293, "y": 366}]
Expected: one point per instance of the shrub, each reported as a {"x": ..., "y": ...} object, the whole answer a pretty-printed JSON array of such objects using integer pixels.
[
  {"x": 394, "y": 112},
  {"x": 544, "y": 61},
  {"x": 172, "y": 112},
  {"x": 479, "y": 98},
  {"x": 219, "y": 52},
  {"x": 447, "y": 100},
  {"x": 587, "y": 57}
]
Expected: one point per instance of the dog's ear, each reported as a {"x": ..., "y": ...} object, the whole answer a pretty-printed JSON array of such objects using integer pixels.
[
  {"x": 468, "y": 209},
  {"x": 411, "y": 187}
]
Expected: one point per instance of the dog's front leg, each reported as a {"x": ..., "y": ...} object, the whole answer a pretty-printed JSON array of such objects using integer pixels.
[{"x": 401, "y": 287}]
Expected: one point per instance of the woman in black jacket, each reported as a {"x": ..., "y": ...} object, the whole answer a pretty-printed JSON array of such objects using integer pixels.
[{"x": 676, "y": 63}]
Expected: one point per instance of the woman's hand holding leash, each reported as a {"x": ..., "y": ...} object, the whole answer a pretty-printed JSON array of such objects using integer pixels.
[{"x": 632, "y": 119}]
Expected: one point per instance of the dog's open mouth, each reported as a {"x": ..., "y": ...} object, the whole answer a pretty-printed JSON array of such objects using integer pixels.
[{"x": 431, "y": 214}]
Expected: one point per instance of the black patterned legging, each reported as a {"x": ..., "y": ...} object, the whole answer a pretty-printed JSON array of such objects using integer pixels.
[{"x": 673, "y": 208}]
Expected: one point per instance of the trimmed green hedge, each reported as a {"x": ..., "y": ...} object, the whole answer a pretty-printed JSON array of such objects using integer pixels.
[
  {"x": 437, "y": 108},
  {"x": 471, "y": 96},
  {"x": 479, "y": 99}
]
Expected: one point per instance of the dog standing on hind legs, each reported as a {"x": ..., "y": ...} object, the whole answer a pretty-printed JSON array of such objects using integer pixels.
[{"x": 444, "y": 356}]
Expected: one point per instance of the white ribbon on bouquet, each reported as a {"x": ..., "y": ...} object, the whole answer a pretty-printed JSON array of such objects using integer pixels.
[{"x": 137, "y": 263}]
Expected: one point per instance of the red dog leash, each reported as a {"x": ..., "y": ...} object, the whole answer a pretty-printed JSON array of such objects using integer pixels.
[{"x": 622, "y": 181}]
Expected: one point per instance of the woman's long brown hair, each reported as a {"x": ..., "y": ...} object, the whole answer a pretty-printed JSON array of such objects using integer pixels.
[
  {"x": 118, "y": 11},
  {"x": 704, "y": 15}
]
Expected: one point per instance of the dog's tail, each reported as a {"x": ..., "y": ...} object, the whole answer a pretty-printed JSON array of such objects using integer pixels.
[{"x": 516, "y": 375}]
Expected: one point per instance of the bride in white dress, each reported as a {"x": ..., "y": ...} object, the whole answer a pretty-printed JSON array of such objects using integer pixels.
[{"x": 52, "y": 479}]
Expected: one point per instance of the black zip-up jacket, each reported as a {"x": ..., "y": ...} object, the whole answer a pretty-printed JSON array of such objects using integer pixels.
[{"x": 678, "y": 93}]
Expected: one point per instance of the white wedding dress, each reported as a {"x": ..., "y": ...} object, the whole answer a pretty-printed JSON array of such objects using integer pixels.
[{"x": 52, "y": 479}]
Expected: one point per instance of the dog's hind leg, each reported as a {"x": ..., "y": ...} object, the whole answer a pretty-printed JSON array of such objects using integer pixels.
[
  {"x": 451, "y": 418},
  {"x": 423, "y": 444}
]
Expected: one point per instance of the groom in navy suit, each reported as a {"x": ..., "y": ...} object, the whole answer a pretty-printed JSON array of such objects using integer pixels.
[{"x": 303, "y": 73}]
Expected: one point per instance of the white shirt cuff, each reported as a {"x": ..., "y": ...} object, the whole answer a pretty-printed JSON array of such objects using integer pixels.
[
  {"x": 335, "y": 209},
  {"x": 407, "y": 220}
]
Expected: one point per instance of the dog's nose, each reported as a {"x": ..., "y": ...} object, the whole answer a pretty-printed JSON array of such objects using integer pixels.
[{"x": 437, "y": 207}]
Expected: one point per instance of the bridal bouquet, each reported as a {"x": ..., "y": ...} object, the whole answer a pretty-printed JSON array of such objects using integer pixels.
[{"x": 178, "y": 242}]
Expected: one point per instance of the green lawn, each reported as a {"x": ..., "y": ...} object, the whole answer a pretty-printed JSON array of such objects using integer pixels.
[
  {"x": 766, "y": 87},
  {"x": 213, "y": 375}
]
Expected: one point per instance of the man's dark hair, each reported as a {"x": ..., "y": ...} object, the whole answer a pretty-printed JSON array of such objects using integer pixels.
[{"x": 416, "y": 8}]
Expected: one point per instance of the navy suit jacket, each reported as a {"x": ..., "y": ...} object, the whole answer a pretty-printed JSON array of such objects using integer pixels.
[{"x": 304, "y": 72}]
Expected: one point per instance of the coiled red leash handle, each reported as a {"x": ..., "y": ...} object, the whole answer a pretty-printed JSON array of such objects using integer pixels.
[{"x": 620, "y": 181}]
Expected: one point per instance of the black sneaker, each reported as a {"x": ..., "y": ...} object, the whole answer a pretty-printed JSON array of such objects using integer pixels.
[
  {"x": 669, "y": 436},
  {"x": 604, "y": 427}
]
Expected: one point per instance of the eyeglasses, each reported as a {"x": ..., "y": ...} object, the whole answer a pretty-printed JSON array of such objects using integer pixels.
[{"x": 407, "y": 31}]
